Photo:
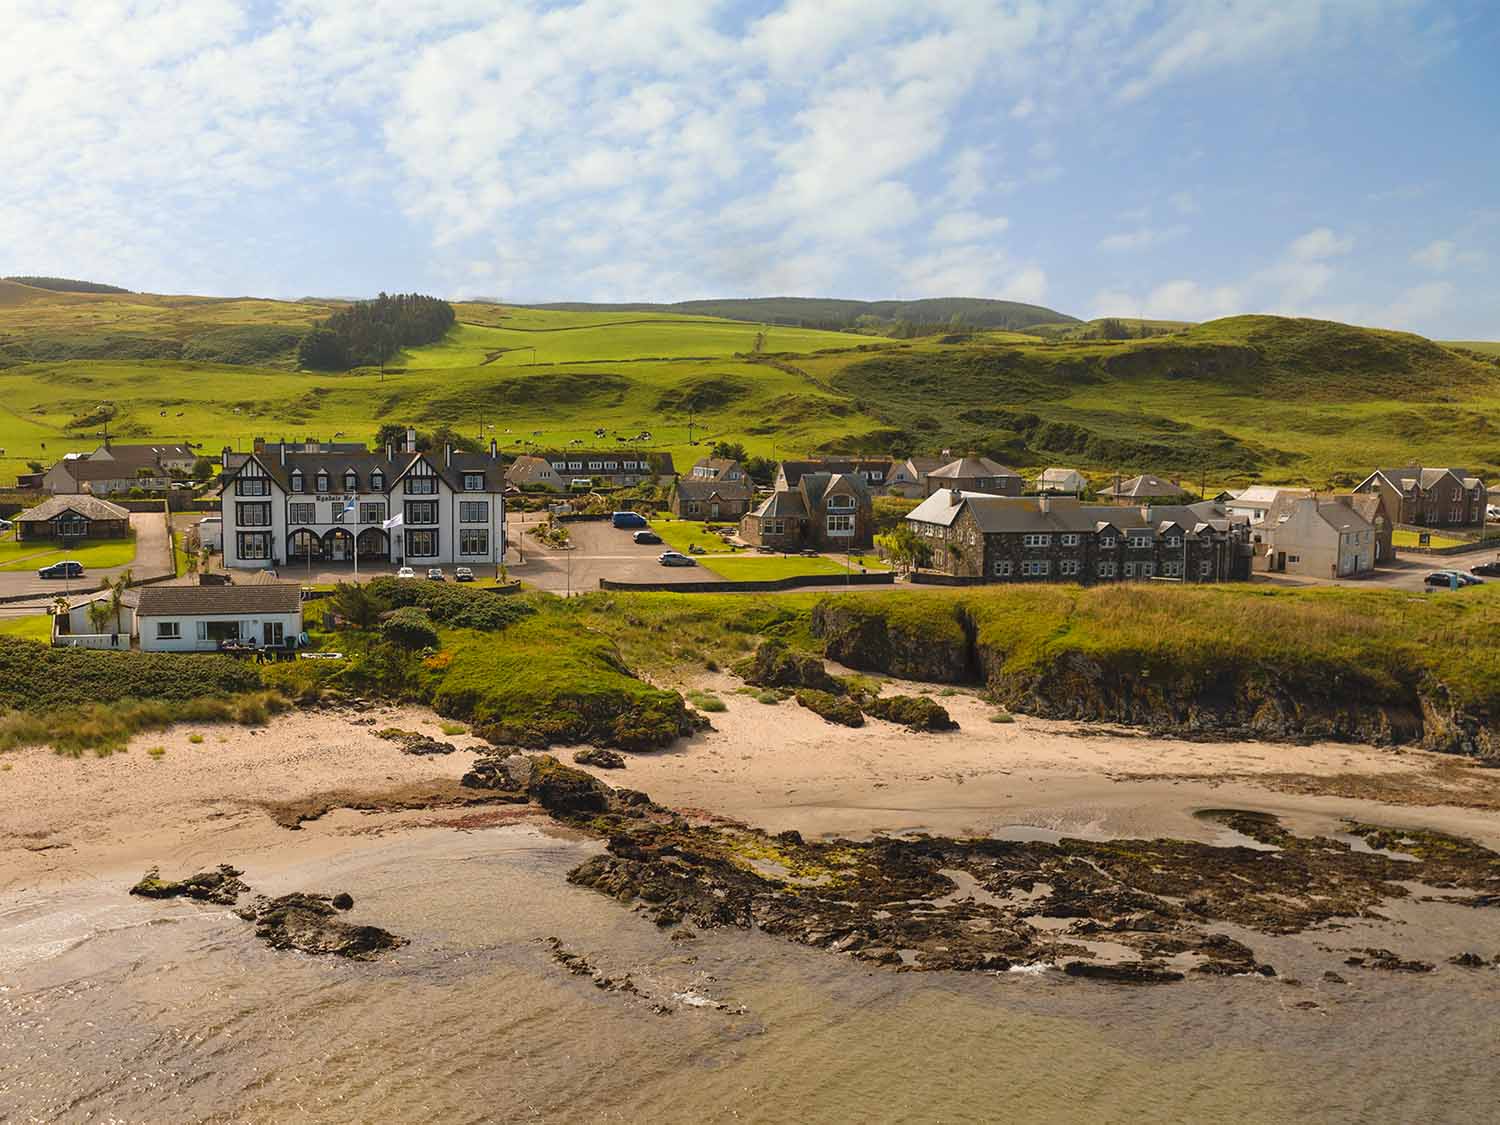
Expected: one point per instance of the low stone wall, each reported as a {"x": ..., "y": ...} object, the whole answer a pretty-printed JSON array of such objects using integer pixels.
[
  {"x": 724, "y": 586},
  {"x": 936, "y": 578}
]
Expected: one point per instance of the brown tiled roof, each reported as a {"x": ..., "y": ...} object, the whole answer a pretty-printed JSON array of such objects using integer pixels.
[{"x": 187, "y": 601}]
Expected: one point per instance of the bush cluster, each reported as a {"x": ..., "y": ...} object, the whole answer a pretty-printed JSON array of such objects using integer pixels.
[
  {"x": 409, "y": 628},
  {"x": 462, "y": 607}
]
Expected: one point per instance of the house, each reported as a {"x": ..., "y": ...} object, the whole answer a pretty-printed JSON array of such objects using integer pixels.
[
  {"x": 1147, "y": 486},
  {"x": 528, "y": 472},
  {"x": 1062, "y": 480},
  {"x": 873, "y": 471},
  {"x": 1254, "y": 502},
  {"x": 1314, "y": 536},
  {"x": 697, "y": 499},
  {"x": 618, "y": 468},
  {"x": 119, "y": 468},
  {"x": 289, "y": 503},
  {"x": 823, "y": 511},
  {"x": 909, "y": 478},
  {"x": 74, "y": 624},
  {"x": 719, "y": 468},
  {"x": 73, "y": 517},
  {"x": 992, "y": 538},
  {"x": 208, "y": 618},
  {"x": 975, "y": 474},
  {"x": 1426, "y": 497}
]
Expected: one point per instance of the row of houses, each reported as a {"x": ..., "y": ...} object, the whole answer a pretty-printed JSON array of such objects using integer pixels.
[{"x": 115, "y": 468}]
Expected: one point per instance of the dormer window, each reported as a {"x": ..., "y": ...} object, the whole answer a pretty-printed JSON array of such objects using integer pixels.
[
  {"x": 473, "y": 482},
  {"x": 322, "y": 480},
  {"x": 377, "y": 481},
  {"x": 351, "y": 481},
  {"x": 840, "y": 503},
  {"x": 297, "y": 482}
]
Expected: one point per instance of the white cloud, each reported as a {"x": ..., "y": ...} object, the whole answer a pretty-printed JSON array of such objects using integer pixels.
[
  {"x": 1141, "y": 238},
  {"x": 1027, "y": 284},
  {"x": 1418, "y": 305},
  {"x": 1318, "y": 244},
  {"x": 968, "y": 226},
  {"x": 1173, "y": 300},
  {"x": 1436, "y": 256}
]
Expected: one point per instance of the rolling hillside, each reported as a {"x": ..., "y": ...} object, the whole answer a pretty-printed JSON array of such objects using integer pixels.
[
  {"x": 974, "y": 311},
  {"x": 1236, "y": 400}
]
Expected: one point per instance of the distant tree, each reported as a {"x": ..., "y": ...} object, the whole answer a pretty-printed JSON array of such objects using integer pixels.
[
  {"x": 728, "y": 450},
  {"x": 390, "y": 433},
  {"x": 36, "y": 466},
  {"x": 410, "y": 628},
  {"x": 1113, "y": 329},
  {"x": 356, "y": 605},
  {"x": 322, "y": 350},
  {"x": 99, "y": 615},
  {"x": 203, "y": 468},
  {"x": 762, "y": 470},
  {"x": 905, "y": 548}
]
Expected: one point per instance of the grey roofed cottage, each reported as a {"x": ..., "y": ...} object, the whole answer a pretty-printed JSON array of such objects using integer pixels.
[
  {"x": 203, "y": 618},
  {"x": 825, "y": 511},
  {"x": 1147, "y": 486},
  {"x": 700, "y": 499},
  {"x": 1430, "y": 497},
  {"x": 73, "y": 517},
  {"x": 975, "y": 474}
]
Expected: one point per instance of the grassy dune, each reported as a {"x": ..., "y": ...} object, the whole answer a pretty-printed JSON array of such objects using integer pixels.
[{"x": 1234, "y": 400}]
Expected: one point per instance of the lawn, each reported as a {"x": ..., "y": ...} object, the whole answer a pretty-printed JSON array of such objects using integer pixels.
[
  {"x": 683, "y": 534},
  {"x": 764, "y": 568},
  {"x": 31, "y": 627},
  {"x": 29, "y": 556},
  {"x": 1409, "y": 539}
]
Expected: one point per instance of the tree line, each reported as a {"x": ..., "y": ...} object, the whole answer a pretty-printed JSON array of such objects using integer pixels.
[{"x": 367, "y": 333}]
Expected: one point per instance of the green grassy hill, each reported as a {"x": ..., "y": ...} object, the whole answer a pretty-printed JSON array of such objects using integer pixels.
[
  {"x": 975, "y": 312},
  {"x": 1239, "y": 399}
]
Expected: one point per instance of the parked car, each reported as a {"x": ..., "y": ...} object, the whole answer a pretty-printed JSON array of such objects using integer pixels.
[
  {"x": 1469, "y": 580},
  {"x": 580, "y": 484},
  {"x": 675, "y": 558},
  {"x": 463, "y": 574},
  {"x": 1443, "y": 578},
  {"x": 647, "y": 536},
  {"x": 1491, "y": 569},
  {"x": 628, "y": 520},
  {"x": 406, "y": 572},
  {"x": 435, "y": 574},
  {"x": 67, "y": 569},
  {"x": 5, "y": 525}
]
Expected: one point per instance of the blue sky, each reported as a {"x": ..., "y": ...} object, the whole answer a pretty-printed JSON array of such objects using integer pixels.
[{"x": 1330, "y": 158}]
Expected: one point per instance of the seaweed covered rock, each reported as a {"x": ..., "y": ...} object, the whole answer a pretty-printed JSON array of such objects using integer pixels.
[
  {"x": 563, "y": 791},
  {"x": 844, "y": 711},
  {"x": 309, "y": 923},
  {"x": 928, "y": 639},
  {"x": 916, "y": 712},
  {"x": 414, "y": 742},
  {"x": 599, "y": 759},
  {"x": 773, "y": 665},
  {"x": 222, "y": 885}
]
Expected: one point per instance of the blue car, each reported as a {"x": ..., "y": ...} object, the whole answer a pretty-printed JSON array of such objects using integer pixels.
[
  {"x": 68, "y": 569},
  {"x": 628, "y": 520}
]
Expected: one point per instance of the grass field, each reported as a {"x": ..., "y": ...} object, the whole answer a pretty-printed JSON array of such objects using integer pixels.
[
  {"x": 1234, "y": 401},
  {"x": 680, "y": 535},
  {"x": 31, "y": 627},
  {"x": 1410, "y": 539},
  {"x": 1488, "y": 347},
  {"x": 31, "y": 555},
  {"x": 764, "y": 568}
]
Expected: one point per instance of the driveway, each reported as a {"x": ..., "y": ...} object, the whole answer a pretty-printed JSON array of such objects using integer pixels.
[
  {"x": 599, "y": 551},
  {"x": 153, "y": 557}
]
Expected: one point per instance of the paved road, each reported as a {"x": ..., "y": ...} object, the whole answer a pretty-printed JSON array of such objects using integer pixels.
[
  {"x": 1406, "y": 572},
  {"x": 599, "y": 551},
  {"x": 153, "y": 556}
]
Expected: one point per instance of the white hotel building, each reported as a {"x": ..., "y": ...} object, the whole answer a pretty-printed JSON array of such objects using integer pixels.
[{"x": 318, "y": 502}]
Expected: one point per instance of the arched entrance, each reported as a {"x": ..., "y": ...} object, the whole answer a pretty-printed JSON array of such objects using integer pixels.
[
  {"x": 304, "y": 546},
  {"x": 374, "y": 544},
  {"x": 338, "y": 545}
]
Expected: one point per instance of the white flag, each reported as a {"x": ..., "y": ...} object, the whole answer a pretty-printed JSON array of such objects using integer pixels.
[{"x": 394, "y": 521}]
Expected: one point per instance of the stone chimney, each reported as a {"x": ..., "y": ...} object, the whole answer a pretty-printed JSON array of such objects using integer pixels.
[
  {"x": 411, "y": 440},
  {"x": 494, "y": 450},
  {"x": 1044, "y": 503},
  {"x": 259, "y": 445},
  {"x": 955, "y": 497},
  {"x": 390, "y": 452},
  {"x": 224, "y": 457},
  {"x": 447, "y": 455}
]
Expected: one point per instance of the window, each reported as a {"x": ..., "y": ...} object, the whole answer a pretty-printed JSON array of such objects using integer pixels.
[
  {"x": 1294, "y": 558},
  {"x": 611, "y": 465},
  {"x": 840, "y": 524},
  {"x": 1069, "y": 540},
  {"x": 1130, "y": 570},
  {"x": 254, "y": 544},
  {"x": 421, "y": 511},
  {"x": 629, "y": 464},
  {"x": 1171, "y": 570},
  {"x": 473, "y": 542},
  {"x": 1068, "y": 567},
  {"x": 775, "y": 527},
  {"x": 1206, "y": 567},
  {"x": 351, "y": 481},
  {"x": 298, "y": 484},
  {"x": 421, "y": 486},
  {"x": 1107, "y": 542},
  {"x": 575, "y": 464},
  {"x": 322, "y": 481},
  {"x": 377, "y": 481},
  {"x": 168, "y": 630},
  {"x": 303, "y": 513},
  {"x": 1003, "y": 568},
  {"x": 1108, "y": 570},
  {"x": 1036, "y": 540},
  {"x": 422, "y": 544},
  {"x": 1140, "y": 539},
  {"x": 595, "y": 466},
  {"x": 841, "y": 503},
  {"x": 1036, "y": 568},
  {"x": 473, "y": 511},
  {"x": 252, "y": 486},
  {"x": 372, "y": 511},
  {"x": 273, "y": 633},
  {"x": 1148, "y": 569},
  {"x": 252, "y": 515},
  {"x": 1174, "y": 541},
  {"x": 473, "y": 482}
]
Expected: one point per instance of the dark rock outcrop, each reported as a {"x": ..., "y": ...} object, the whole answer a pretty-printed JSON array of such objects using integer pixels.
[
  {"x": 915, "y": 712},
  {"x": 599, "y": 759},
  {"x": 773, "y": 665},
  {"x": 938, "y": 648},
  {"x": 845, "y": 712},
  {"x": 309, "y": 923},
  {"x": 222, "y": 885}
]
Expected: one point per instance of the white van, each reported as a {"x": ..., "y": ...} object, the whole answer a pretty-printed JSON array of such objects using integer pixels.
[{"x": 211, "y": 532}]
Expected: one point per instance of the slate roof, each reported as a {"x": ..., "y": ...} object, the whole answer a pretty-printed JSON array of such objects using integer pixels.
[
  {"x": 1020, "y": 514},
  {"x": 661, "y": 463},
  {"x": 1144, "y": 486},
  {"x": 794, "y": 471},
  {"x": 713, "y": 467},
  {"x": 90, "y": 507},
  {"x": 783, "y": 505},
  {"x": 191, "y": 601},
  {"x": 971, "y": 468},
  {"x": 85, "y": 469},
  {"x": 1425, "y": 478},
  {"x": 700, "y": 489},
  {"x": 364, "y": 462},
  {"x": 528, "y": 469},
  {"x": 144, "y": 456}
]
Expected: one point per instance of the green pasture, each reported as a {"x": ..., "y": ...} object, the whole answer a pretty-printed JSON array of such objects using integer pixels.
[
  {"x": 29, "y": 555},
  {"x": 33, "y": 626},
  {"x": 764, "y": 568},
  {"x": 682, "y": 535},
  {"x": 1437, "y": 542}
]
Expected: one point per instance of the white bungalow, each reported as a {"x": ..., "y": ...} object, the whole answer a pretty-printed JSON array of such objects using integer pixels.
[{"x": 212, "y": 618}]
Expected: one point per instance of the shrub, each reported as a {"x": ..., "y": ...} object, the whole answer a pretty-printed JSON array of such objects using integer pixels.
[
  {"x": 460, "y": 606},
  {"x": 774, "y": 665},
  {"x": 845, "y": 712},
  {"x": 36, "y": 678},
  {"x": 915, "y": 712},
  {"x": 453, "y": 728},
  {"x": 195, "y": 739},
  {"x": 410, "y": 628},
  {"x": 706, "y": 701}
]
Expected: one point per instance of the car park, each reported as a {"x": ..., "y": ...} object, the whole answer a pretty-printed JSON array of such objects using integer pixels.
[
  {"x": 406, "y": 572},
  {"x": 463, "y": 574},
  {"x": 675, "y": 558},
  {"x": 646, "y": 536},
  {"x": 435, "y": 574},
  {"x": 67, "y": 569}
]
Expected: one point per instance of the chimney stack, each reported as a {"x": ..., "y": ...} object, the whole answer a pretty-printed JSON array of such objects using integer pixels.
[
  {"x": 494, "y": 451},
  {"x": 390, "y": 452},
  {"x": 1044, "y": 503},
  {"x": 447, "y": 454},
  {"x": 411, "y": 440},
  {"x": 224, "y": 457},
  {"x": 955, "y": 497},
  {"x": 259, "y": 445}
]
